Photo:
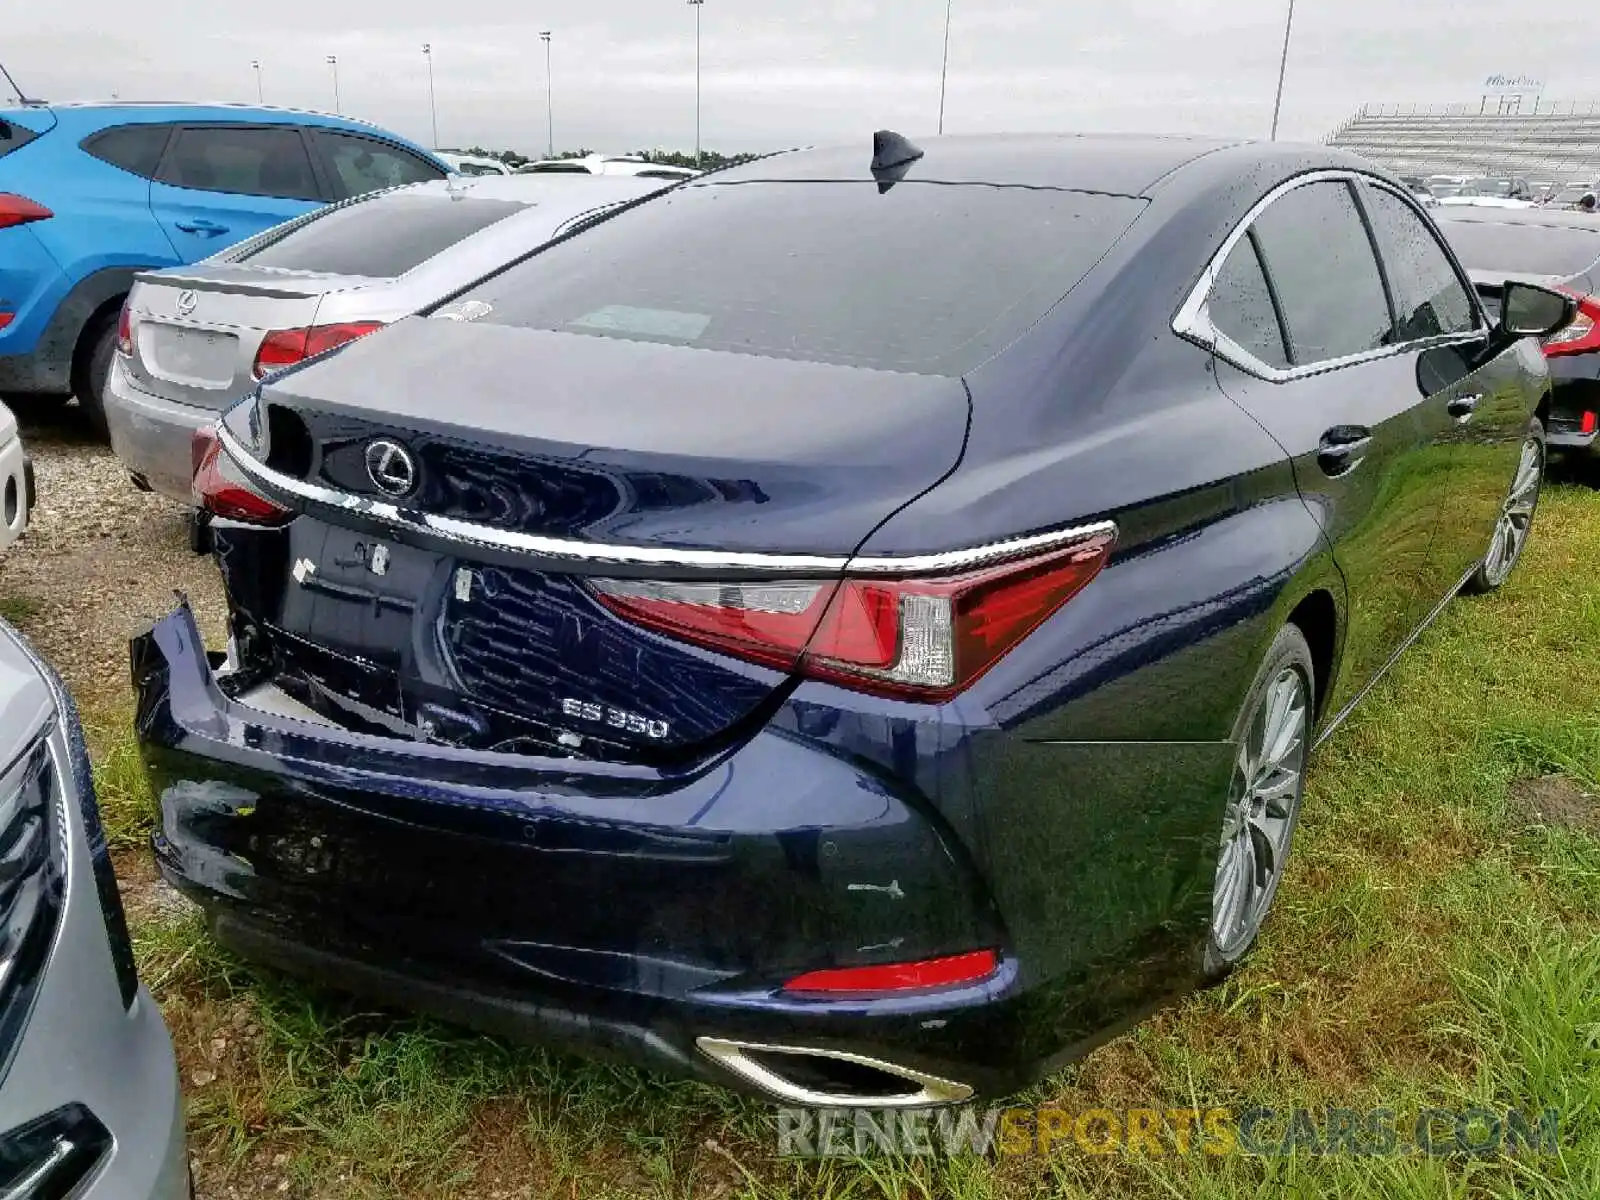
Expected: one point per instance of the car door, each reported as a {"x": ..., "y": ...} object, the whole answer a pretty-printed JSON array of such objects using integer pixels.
[
  {"x": 1302, "y": 328},
  {"x": 353, "y": 164},
  {"x": 1476, "y": 407},
  {"x": 219, "y": 184}
]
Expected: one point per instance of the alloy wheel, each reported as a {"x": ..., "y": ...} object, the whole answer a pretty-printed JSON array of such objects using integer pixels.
[
  {"x": 1263, "y": 802},
  {"x": 1516, "y": 515}
]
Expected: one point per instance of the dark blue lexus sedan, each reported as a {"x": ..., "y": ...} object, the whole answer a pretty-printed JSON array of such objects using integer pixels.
[{"x": 851, "y": 627}]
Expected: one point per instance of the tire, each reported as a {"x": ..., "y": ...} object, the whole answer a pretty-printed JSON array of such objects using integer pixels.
[
  {"x": 1515, "y": 522},
  {"x": 93, "y": 370},
  {"x": 1273, "y": 734}
]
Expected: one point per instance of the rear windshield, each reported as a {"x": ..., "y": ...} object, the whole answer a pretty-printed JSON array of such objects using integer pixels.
[
  {"x": 380, "y": 237},
  {"x": 1524, "y": 249},
  {"x": 925, "y": 278}
]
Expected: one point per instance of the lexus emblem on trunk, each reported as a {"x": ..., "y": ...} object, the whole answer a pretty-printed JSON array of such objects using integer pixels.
[
  {"x": 186, "y": 302},
  {"x": 391, "y": 467}
]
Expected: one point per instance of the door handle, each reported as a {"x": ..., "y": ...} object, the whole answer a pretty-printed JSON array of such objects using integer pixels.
[
  {"x": 1462, "y": 407},
  {"x": 1342, "y": 448},
  {"x": 203, "y": 227}
]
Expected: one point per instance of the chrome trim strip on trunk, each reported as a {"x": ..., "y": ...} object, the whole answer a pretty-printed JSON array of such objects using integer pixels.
[
  {"x": 931, "y": 1089},
  {"x": 472, "y": 534}
]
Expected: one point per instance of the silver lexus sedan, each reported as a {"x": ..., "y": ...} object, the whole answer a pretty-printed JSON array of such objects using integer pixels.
[
  {"x": 194, "y": 339},
  {"x": 89, "y": 1099}
]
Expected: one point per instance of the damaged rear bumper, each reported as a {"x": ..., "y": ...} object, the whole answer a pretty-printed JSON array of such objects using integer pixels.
[{"x": 618, "y": 910}]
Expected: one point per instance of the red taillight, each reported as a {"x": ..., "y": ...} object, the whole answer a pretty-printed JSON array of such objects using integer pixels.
[
  {"x": 125, "y": 331},
  {"x": 19, "y": 210},
  {"x": 899, "y": 977},
  {"x": 1581, "y": 335},
  {"x": 1588, "y": 424},
  {"x": 921, "y": 638},
  {"x": 218, "y": 488},
  {"x": 285, "y": 347}
]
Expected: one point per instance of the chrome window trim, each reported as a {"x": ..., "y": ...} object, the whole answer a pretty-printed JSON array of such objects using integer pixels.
[
  {"x": 1193, "y": 321},
  {"x": 473, "y": 534}
]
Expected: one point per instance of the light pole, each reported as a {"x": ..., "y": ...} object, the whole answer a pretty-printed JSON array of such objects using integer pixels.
[
  {"x": 944, "y": 71},
  {"x": 333, "y": 61},
  {"x": 697, "y": 5},
  {"x": 549, "y": 95},
  {"x": 255, "y": 65},
  {"x": 1283, "y": 65},
  {"x": 433, "y": 110}
]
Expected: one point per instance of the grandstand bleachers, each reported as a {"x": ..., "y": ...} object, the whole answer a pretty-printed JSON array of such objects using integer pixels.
[{"x": 1555, "y": 142}]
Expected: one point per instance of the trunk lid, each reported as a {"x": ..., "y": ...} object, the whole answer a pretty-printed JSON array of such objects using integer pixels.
[
  {"x": 542, "y": 447},
  {"x": 196, "y": 333}
]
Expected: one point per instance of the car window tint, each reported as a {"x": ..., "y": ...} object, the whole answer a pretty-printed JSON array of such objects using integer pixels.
[
  {"x": 1429, "y": 297},
  {"x": 361, "y": 164},
  {"x": 135, "y": 148},
  {"x": 827, "y": 272},
  {"x": 243, "y": 161},
  {"x": 383, "y": 236},
  {"x": 1321, "y": 261},
  {"x": 1524, "y": 248},
  {"x": 1240, "y": 306}
]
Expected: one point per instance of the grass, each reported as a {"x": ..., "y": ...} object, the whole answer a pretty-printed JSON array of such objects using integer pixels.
[{"x": 1430, "y": 948}]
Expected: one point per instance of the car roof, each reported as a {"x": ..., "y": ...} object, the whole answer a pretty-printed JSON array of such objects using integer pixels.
[
  {"x": 112, "y": 112},
  {"x": 1116, "y": 163}
]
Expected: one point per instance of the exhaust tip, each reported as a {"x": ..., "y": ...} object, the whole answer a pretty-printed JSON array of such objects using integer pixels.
[{"x": 831, "y": 1078}]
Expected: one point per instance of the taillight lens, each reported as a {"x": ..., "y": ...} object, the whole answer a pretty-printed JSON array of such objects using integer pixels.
[
  {"x": 125, "y": 331},
  {"x": 899, "y": 977},
  {"x": 916, "y": 638},
  {"x": 220, "y": 490},
  {"x": 1581, "y": 335},
  {"x": 1588, "y": 422},
  {"x": 285, "y": 347},
  {"x": 19, "y": 210}
]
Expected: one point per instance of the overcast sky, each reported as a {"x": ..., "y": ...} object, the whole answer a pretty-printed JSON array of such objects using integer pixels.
[{"x": 779, "y": 74}]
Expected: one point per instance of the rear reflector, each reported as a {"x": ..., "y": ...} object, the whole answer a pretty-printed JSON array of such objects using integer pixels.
[
  {"x": 924, "y": 638},
  {"x": 220, "y": 490},
  {"x": 899, "y": 977},
  {"x": 1581, "y": 335},
  {"x": 285, "y": 347},
  {"x": 19, "y": 210}
]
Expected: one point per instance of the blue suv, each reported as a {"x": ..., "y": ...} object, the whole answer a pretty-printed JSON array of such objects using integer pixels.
[{"x": 90, "y": 194}]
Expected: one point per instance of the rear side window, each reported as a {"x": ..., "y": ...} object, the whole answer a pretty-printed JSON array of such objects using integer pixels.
[
  {"x": 1321, "y": 262},
  {"x": 1240, "y": 306},
  {"x": 243, "y": 160},
  {"x": 13, "y": 136},
  {"x": 384, "y": 236},
  {"x": 923, "y": 278},
  {"x": 1524, "y": 249},
  {"x": 357, "y": 164},
  {"x": 135, "y": 148},
  {"x": 1429, "y": 297}
]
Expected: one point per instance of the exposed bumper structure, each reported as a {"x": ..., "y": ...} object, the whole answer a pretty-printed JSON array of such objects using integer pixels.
[{"x": 647, "y": 915}]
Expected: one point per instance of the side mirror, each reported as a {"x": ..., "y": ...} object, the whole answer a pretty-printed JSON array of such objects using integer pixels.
[{"x": 1527, "y": 310}]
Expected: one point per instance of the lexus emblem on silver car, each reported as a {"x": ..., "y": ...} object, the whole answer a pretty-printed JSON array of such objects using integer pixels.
[
  {"x": 186, "y": 301},
  {"x": 391, "y": 467}
]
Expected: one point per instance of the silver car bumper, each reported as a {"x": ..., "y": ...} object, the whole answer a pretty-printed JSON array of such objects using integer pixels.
[
  {"x": 81, "y": 1048},
  {"x": 151, "y": 435}
]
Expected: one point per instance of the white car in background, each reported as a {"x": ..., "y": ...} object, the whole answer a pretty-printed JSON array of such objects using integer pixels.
[
  {"x": 471, "y": 164},
  {"x": 16, "y": 481},
  {"x": 607, "y": 164}
]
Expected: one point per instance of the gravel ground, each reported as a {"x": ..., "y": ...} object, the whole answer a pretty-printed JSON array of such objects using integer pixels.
[{"x": 99, "y": 559}]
